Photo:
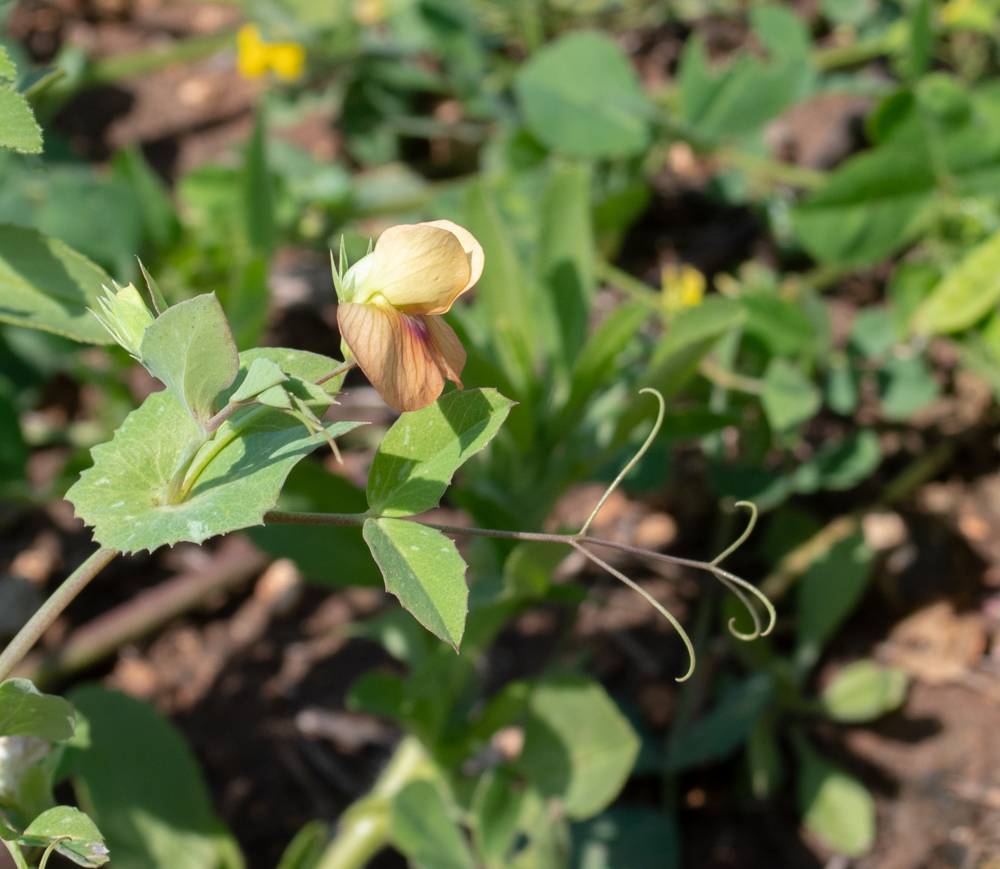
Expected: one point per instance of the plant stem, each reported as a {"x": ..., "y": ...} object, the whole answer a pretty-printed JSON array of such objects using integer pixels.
[
  {"x": 142, "y": 62},
  {"x": 49, "y": 611},
  {"x": 341, "y": 369},
  {"x": 176, "y": 485},
  {"x": 718, "y": 375}
]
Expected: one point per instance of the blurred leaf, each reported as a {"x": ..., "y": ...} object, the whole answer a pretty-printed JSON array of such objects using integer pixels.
[
  {"x": 8, "y": 70},
  {"x": 829, "y": 591},
  {"x": 78, "y": 839},
  {"x": 627, "y": 838},
  {"x": 782, "y": 325},
  {"x": 257, "y": 193},
  {"x": 839, "y": 465},
  {"x": 25, "y": 711},
  {"x": 496, "y": 808},
  {"x": 159, "y": 218},
  {"x": 13, "y": 451},
  {"x": 835, "y": 806},
  {"x": 764, "y": 760},
  {"x": 502, "y": 291},
  {"x": 421, "y": 829},
  {"x": 741, "y": 97},
  {"x": 377, "y": 693},
  {"x": 566, "y": 254},
  {"x": 120, "y": 495},
  {"x": 141, "y": 784},
  {"x": 907, "y": 386},
  {"x": 966, "y": 293},
  {"x": 864, "y": 691},
  {"x": 841, "y": 389},
  {"x": 421, "y": 452},
  {"x": 306, "y": 850},
  {"x": 423, "y": 569},
  {"x": 577, "y": 745},
  {"x": 872, "y": 334},
  {"x": 45, "y": 285},
  {"x": 528, "y": 569},
  {"x": 247, "y": 299},
  {"x": 190, "y": 349},
  {"x": 582, "y": 97},
  {"x": 19, "y": 130},
  {"x": 921, "y": 40},
  {"x": 720, "y": 732},
  {"x": 789, "y": 398}
]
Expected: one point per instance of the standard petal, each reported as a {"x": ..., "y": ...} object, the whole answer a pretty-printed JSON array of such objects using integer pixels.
[
  {"x": 473, "y": 249},
  {"x": 418, "y": 269},
  {"x": 396, "y": 353}
]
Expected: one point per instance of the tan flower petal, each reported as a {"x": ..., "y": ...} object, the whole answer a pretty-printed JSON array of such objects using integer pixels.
[
  {"x": 473, "y": 249},
  {"x": 419, "y": 269},
  {"x": 406, "y": 358}
]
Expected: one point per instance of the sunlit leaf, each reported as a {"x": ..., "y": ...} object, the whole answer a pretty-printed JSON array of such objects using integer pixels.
[
  {"x": 25, "y": 711},
  {"x": 864, "y": 691},
  {"x": 78, "y": 838}
]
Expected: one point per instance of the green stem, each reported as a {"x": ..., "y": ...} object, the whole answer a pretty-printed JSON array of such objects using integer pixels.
[
  {"x": 175, "y": 490},
  {"x": 40, "y": 622},
  {"x": 146, "y": 61},
  {"x": 364, "y": 827},
  {"x": 218, "y": 443},
  {"x": 15, "y": 853}
]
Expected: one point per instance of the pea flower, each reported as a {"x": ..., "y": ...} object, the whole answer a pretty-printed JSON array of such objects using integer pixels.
[
  {"x": 683, "y": 288},
  {"x": 255, "y": 56},
  {"x": 389, "y": 302}
]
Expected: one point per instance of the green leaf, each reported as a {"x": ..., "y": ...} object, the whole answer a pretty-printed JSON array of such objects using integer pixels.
[
  {"x": 46, "y": 285},
  {"x": 306, "y": 850},
  {"x": 577, "y": 745},
  {"x": 835, "y": 806},
  {"x": 907, "y": 385},
  {"x": 257, "y": 193},
  {"x": 418, "y": 456},
  {"x": 502, "y": 290},
  {"x": 191, "y": 350},
  {"x": 582, "y": 97},
  {"x": 864, "y": 691},
  {"x": 79, "y": 839},
  {"x": 8, "y": 71},
  {"x": 720, "y": 732},
  {"x": 25, "y": 711},
  {"x": 566, "y": 254},
  {"x": 782, "y": 325},
  {"x": 496, "y": 806},
  {"x": 423, "y": 569},
  {"x": 263, "y": 375},
  {"x": 829, "y": 591},
  {"x": 19, "y": 130},
  {"x": 421, "y": 828},
  {"x": 839, "y": 465},
  {"x": 870, "y": 205},
  {"x": 626, "y": 837},
  {"x": 921, "y": 40},
  {"x": 743, "y": 96},
  {"x": 243, "y": 469},
  {"x": 966, "y": 293},
  {"x": 160, "y": 224},
  {"x": 789, "y": 398},
  {"x": 141, "y": 784}
]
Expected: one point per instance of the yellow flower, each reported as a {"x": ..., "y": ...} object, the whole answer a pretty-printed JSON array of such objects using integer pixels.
[
  {"x": 389, "y": 302},
  {"x": 255, "y": 56},
  {"x": 969, "y": 15},
  {"x": 683, "y": 287}
]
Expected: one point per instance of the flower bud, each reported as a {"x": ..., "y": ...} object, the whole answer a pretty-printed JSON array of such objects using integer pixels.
[{"x": 125, "y": 317}]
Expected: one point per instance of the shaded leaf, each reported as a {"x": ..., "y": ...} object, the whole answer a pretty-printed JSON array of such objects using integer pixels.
[
  {"x": 79, "y": 839},
  {"x": 789, "y": 398},
  {"x": 418, "y": 456},
  {"x": 577, "y": 745},
  {"x": 25, "y": 711},
  {"x": 627, "y": 838},
  {"x": 421, "y": 828},
  {"x": 46, "y": 285}
]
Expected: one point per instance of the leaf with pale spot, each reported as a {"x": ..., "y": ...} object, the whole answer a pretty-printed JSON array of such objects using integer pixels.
[
  {"x": 423, "y": 569},
  {"x": 244, "y": 467},
  {"x": 77, "y": 836}
]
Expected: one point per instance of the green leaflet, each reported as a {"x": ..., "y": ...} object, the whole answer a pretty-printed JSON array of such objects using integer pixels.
[
  {"x": 864, "y": 691},
  {"x": 243, "y": 469},
  {"x": 46, "y": 285},
  {"x": 577, "y": 745},
  {"x": 966, "y": 294},
  {"x": 423, "y": 569},
  {"x": 25, "y": 711},
  {"x": 78, "y": 838},
  {"x": 789, "y": 398},
  {"x": 19, "y": 130},
  {"x": 834, "y": 805},
  {"x": 582, "y": 97},
  {"x": 190, "y": 348},
  {"x": 423, "y": 449}
]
